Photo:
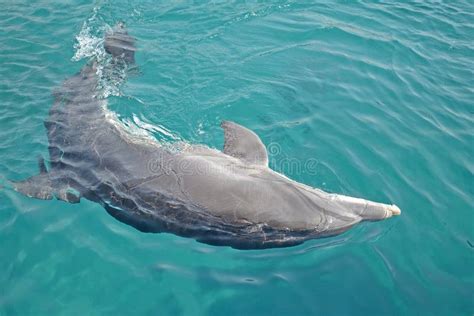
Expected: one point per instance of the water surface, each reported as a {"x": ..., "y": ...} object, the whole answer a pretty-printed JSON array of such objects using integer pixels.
[{"x": 379, "y": 94}]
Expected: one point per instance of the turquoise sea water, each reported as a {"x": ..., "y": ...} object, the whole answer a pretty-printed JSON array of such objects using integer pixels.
[{"x": 380, "y": 94}]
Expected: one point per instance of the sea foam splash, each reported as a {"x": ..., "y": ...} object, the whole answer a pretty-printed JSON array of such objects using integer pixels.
[
  {"x": 90, "y": 45},
  {"x": 112, "y": 74}
]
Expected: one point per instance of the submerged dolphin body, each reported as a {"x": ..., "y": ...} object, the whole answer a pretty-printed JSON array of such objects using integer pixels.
[{"x": 222, "y": 198}]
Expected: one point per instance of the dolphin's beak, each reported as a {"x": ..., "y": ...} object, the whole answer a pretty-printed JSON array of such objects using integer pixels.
[
  {"x": 368, "y": 210},
  {"x": 395, "y": 210}
]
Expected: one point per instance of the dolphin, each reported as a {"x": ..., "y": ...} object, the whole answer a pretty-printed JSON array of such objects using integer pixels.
[{"x": 228, "y": 198}]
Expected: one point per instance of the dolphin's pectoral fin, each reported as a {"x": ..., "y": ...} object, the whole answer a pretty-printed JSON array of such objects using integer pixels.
[
  {"x": 41, "y": 165},
  {"x": 243, "y": 144},
  {"x": 38, "y": 187},
  {"x": 41, "y": 187}
]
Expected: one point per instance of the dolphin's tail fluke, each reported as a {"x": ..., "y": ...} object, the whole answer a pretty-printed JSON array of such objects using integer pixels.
[{"x": 120, "y": 44}]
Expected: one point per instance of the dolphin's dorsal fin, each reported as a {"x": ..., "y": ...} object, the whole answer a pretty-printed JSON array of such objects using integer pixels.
[{"x": 243, "y": 144}]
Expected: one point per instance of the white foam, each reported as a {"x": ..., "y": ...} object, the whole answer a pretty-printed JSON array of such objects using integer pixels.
[{"x": 90, "y": 45}]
